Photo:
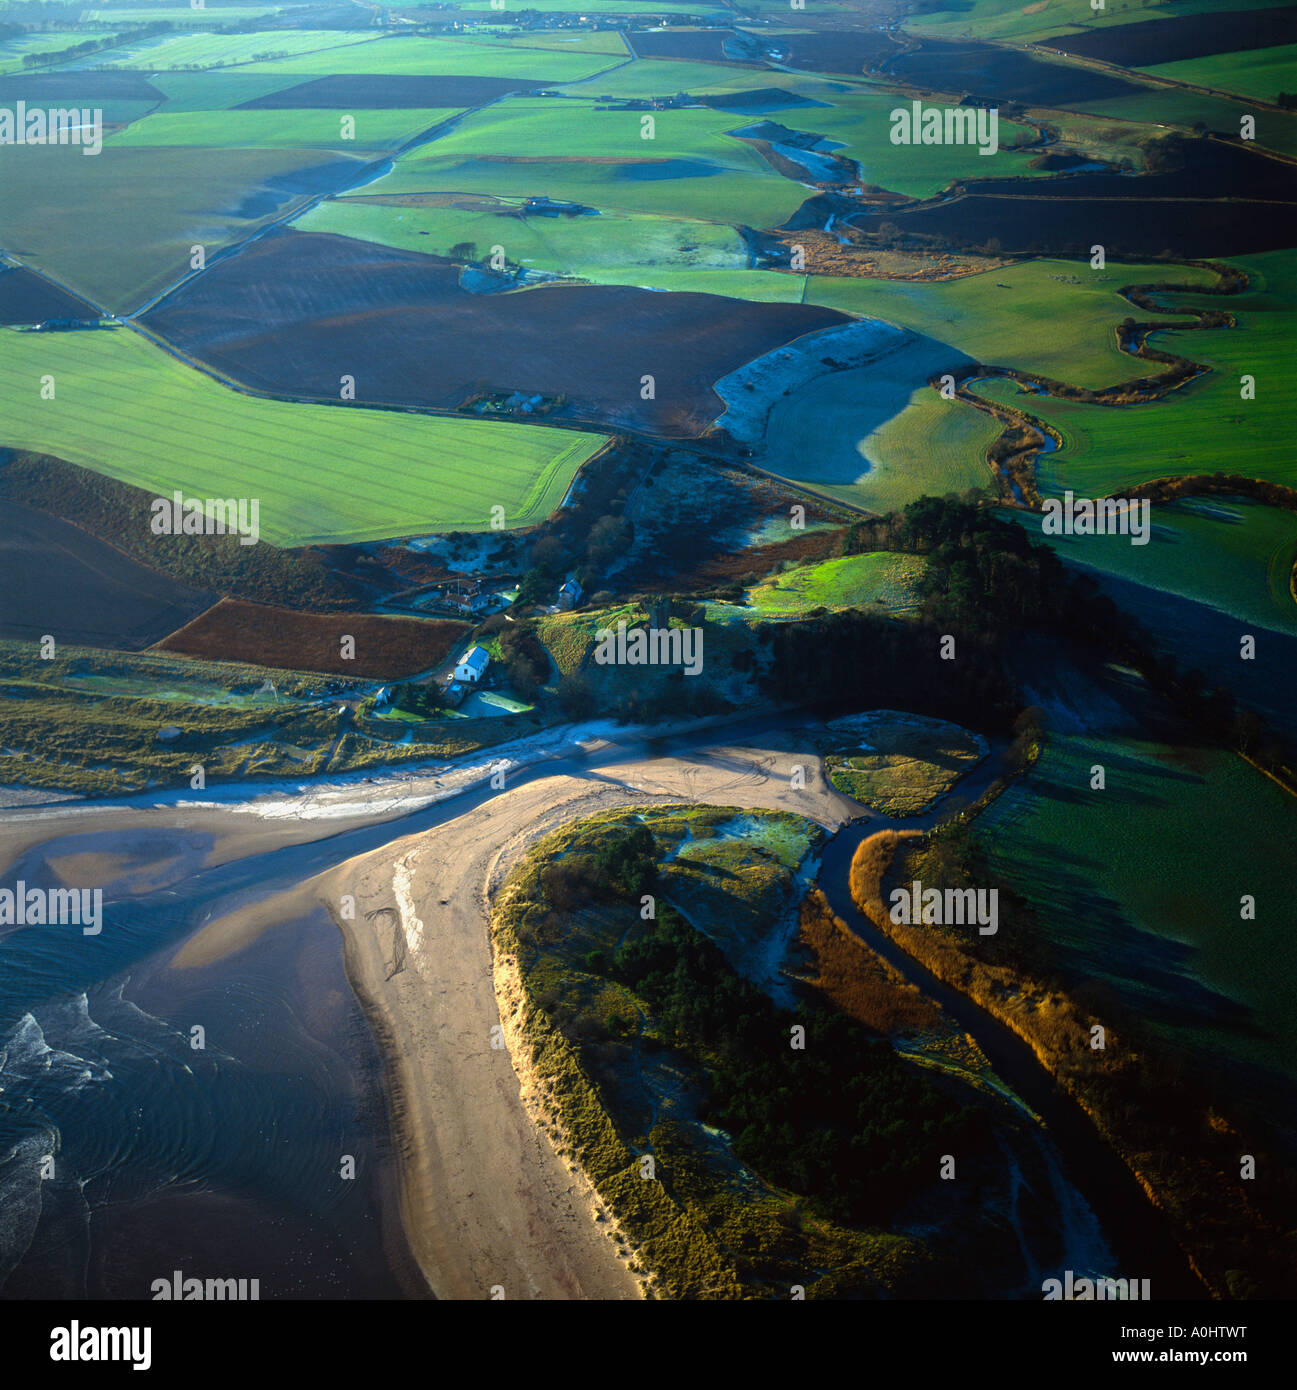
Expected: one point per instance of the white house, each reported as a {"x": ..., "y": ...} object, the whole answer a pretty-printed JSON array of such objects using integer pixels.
[{"x": 472, "y": 665}]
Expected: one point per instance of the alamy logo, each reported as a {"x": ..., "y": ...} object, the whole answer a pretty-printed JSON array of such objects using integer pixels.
[
  {"x": 179, "y": 515},
  {"x": 953, "y": 907},
  {"x": 652, "y": 646},
  {"x": 77, "y": 1343},
  {"x": 1070, "y": 1289},
  {"x": 26, "y": 125},
  {"x": 917, "y": 124},
  {"x": 178, "y": 1289},
  {"x": 21, "y": 906},
  {"x": 1102, "y": 516}
]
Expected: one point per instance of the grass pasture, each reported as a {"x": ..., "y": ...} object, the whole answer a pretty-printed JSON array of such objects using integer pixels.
[
  {"x": 570, "y": 150},
  {"x": 405, "y": 54},
  {"x": 1261, "y": 73},
  {"x": 212, "y": 14},
  {"x": 15, "y": 48},
  {"x": 611, "y": 249},
  {"x": 125, "y": 408},
  {"x": 1230, "y": 553},
  {"x": 1139, "y": 885},
  {"x": 882, "y": 436},
  {"x": 900, "y": 763},
  {"x": 1205, "y": 426},
  {"x": 878, "y": 581},
  {"x": 1054, "y": 317},
  {"x": 147, "y": 206},
  {"x": 204, "y": 49},
  {"x": 859, "y": 121},
  {"x": 1171, "y": 106},
  {"x": 320, "y": 129}
]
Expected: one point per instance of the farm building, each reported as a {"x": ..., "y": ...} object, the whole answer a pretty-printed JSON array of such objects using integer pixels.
[
  {"x": 569, "y": 595},
  {"x": 472, "y": 665}
]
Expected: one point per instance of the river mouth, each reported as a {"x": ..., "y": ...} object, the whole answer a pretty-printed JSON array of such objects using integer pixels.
[{"x": 248, "y": 1133}]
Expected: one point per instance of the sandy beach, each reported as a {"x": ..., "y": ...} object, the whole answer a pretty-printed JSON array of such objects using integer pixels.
[{"x": 487, "y": 1203}]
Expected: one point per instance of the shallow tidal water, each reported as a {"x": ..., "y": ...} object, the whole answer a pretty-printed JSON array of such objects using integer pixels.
[{"x": 223, "y": 1161}]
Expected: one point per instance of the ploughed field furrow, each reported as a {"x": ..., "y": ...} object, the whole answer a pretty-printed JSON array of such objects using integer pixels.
[
  {"x": 293, "y": 313},
  {"x": 1154, "y": 41}
]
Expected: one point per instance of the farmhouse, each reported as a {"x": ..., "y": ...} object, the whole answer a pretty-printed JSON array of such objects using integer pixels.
[
  {"x": 472, "y": 665},
  {"x": 569, "y": 595}
]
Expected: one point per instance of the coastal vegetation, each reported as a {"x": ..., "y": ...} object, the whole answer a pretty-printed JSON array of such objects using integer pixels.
[{"x": 655, "y": 1056}]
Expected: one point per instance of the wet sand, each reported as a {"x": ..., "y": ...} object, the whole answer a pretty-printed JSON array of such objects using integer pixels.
[{"x": 486, "y": 1202}]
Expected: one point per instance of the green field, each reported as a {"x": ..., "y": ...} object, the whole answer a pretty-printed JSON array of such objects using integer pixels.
[
  {"x": 612, "y": 249},
  {"x": 1262, "y": 73},
  {"x": 881, "y": 581},
  {"x": 1234, "y": 555},
  {"x": 1139, "y": 884},
  {"x": 860, "y": 121},
  {"x": 205, "y": 50},
  {"x": 856, "y": 116},
  {"x": 1057, "y": 318},
  {"x": 322, "y": 473},
  {"x": 14, "y": 50},
  {"x": 882, "y": 436},
  {"x": 572, "y": 151},
  {"x": 607, "y": 41},
  {"x": 663, "y": 77},
  {"x": 1203, "y": 427},
  {"x": 927, "y": 449},
  {"x": 212, "y": 14},
  {"x": 280, "y": 129},
  {"x": 146, "y": 206},
  {"x": 1276, "y": 130},
  {"x": 215, "y": 91},
  {"x": 406, "y": 55}
]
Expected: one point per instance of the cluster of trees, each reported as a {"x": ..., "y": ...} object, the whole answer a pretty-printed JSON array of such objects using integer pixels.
[
  {"x": 839, "y": 1120},
  {"x": 83, "y": 50},
  {"x": 623, "y": 866},
  {"x": 525, "y": 660},
  {"x": 554, "y": 555},
  {"x": 986, "y": 581},
  {"x": 865, "y": 660},
  {"x": 426, "y": 700}
]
